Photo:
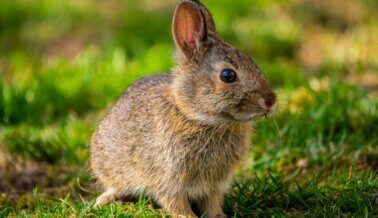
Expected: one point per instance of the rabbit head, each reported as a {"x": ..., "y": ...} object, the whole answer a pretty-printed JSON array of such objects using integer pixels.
[{"x": 214, "y": 82}]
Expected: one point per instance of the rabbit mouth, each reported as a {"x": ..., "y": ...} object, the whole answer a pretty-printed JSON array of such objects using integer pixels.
[{"x": 246, "y": 117}]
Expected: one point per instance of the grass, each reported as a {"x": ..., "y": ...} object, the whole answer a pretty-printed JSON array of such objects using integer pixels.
[{"x": 62, "y": 64}]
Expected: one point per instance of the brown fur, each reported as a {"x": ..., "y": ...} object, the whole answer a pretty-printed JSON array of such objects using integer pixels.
[{"x": 178, "y": 137}]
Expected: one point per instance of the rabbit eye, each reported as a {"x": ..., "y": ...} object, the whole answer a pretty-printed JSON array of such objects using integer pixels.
[{"x": 228, "y": 76}]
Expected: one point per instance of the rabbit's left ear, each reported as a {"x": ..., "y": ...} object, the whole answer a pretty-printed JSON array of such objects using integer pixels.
[{"x": 189, "y": 28}]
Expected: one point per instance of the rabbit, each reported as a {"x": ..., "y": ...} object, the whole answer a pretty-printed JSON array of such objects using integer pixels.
[{"x": 179, "y": 137}]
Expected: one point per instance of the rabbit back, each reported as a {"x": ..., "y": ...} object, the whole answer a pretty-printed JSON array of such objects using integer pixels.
[{"x": 120, "y": 148}]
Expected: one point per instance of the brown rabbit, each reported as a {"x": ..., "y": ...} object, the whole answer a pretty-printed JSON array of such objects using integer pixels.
[{"x": 179, "y": 137}]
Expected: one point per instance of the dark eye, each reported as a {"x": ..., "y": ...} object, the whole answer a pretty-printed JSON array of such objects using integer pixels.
[{"x": 228, "y": 76}]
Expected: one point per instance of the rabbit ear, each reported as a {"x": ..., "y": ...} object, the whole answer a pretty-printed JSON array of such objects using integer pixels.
[
  {"x": 189, "y": 28},
  {"x": 208, "y": 17}
]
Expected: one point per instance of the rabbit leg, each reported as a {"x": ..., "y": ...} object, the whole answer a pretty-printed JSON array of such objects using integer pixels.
[
  {"x": 211, "y": 205},
  {"x": 178, "y": 206},
  {"x": 106, "y": 197}
]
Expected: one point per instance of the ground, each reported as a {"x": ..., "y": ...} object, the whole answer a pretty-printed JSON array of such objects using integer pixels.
[{"x": 63, "y": 63}]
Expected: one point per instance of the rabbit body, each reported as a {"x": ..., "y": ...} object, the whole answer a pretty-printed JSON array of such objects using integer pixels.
[
  {"x": 179, "y": 137},
  {"x": 146, "y": 144}
]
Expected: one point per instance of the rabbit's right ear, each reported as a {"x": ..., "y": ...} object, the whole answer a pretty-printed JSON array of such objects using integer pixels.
[{"x": 189, "y": 28}]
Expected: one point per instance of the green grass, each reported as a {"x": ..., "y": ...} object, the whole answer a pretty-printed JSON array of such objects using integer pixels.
[{"x": 63, "y": 63}]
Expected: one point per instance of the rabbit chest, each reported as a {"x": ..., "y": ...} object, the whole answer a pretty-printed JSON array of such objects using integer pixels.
[{"x": 199, "y": 156}]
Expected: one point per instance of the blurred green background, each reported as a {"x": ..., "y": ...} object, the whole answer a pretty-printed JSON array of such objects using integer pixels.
[{"x": 63, "y": 63}]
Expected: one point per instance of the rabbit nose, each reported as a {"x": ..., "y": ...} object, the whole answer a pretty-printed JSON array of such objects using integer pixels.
[{"x": 270, "y": 99}]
